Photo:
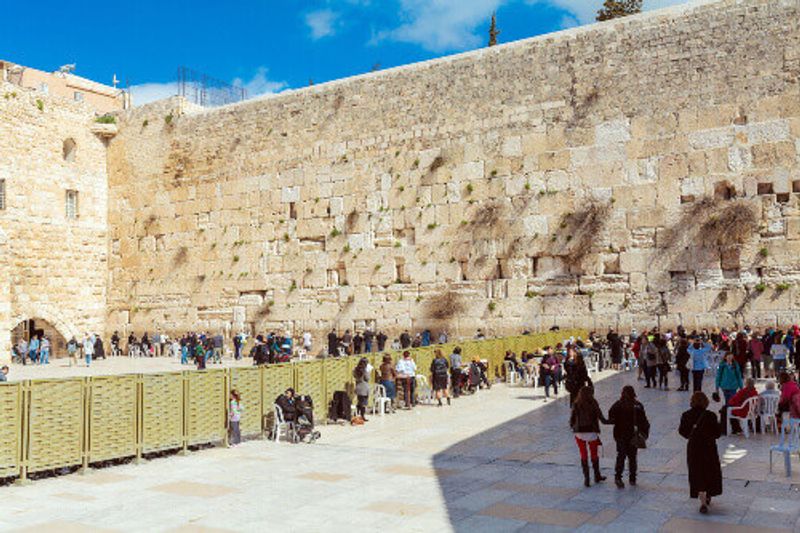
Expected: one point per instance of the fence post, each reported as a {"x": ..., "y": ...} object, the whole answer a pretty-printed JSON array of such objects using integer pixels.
[
  {"x": 23, "y": 451},
  {"x": 139, "y": 418},
  {"x": 225, "y": 403},
  {"x": 86, "y": 444},
  {"x": 184, "y": 413}
]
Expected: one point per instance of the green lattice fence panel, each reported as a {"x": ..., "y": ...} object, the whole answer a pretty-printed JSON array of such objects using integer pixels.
[
  {"x": 206, "y": 406},
  {"x": 56, "y": 424},
  {"x": 10, "y": 429},
  {"x": 112, "y": 417},
  {"x": 162, "y": 411},
  {"x": 423, "y": 357},
  {"x": 339, "y": 376},
  {"x": 310, "y": 380},
  {"x": 248, "y": 382}
]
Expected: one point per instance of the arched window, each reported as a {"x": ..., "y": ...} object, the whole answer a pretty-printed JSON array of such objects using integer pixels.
[{"x": 68, "y": 150}]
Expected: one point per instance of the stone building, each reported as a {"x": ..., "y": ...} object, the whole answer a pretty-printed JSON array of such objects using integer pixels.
[
  {"x": 65, "y": 85},
  {"x": 53, "y": 217},
  {"x": 635, "y": 172}
]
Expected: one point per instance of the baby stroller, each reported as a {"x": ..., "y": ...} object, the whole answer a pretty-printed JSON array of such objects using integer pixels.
[{"x": 304, "y": 427}]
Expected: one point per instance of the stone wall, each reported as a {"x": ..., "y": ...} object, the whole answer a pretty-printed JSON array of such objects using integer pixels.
[
  {"x": 52, "y": 268},
  {"x": 567, "y": 179}
]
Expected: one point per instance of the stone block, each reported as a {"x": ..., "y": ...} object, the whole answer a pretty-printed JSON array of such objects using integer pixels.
[{"x": 614, "y": 131}]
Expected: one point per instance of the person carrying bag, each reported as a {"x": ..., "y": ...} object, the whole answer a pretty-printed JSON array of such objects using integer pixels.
[{"x": 631, "y": 430}]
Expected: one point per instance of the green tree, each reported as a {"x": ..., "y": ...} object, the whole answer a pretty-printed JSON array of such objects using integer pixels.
[
  {"x": 493, "y": 31},
  {"x": 619, "y": 8}
]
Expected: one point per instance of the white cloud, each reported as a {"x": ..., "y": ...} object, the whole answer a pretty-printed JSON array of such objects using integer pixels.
[
  {"x": 255, "y": 86},
  {"x": 322, "y": 23},
  {"x": 585, "y": 11},
  {"x": 260, "y": 84},
  {"x": 442, "y": 25},
  {"x": 150, "y": 92}
]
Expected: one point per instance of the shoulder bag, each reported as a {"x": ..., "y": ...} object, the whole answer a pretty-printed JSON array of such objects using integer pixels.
[{"x": 638, "y": 440}]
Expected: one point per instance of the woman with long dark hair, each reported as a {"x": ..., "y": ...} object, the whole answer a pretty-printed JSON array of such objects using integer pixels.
[
  {"x": 585, "y": 423},
  {"x": 577, "y": 374},
  {"x": 630, "y": 424},
  {"x": 700, "y": 428}
]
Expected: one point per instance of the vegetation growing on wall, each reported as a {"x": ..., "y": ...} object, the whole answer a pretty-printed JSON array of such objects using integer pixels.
[
  {"x": 578, "y": 233},
  {"x": 445, "y": 305}
]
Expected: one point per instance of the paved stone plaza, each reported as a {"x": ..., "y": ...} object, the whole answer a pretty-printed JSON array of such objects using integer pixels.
[
  {"x": 499, "y": 461},
  {"x": 59, "y": 368}
]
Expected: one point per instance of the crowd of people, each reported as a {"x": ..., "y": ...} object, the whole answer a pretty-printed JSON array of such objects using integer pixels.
[{"x": 737, "y": 359}]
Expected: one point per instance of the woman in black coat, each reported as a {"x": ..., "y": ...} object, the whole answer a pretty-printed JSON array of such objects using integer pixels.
[
  {"x": 628, "y": 417},
  {"x": 700, "y": 427},
  {"x": 577, "y": 375}
]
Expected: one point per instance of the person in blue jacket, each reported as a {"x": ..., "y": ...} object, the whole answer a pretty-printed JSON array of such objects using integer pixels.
[
  {"x": 729, "y": 377},
  {"x": 698, "y": 351}
]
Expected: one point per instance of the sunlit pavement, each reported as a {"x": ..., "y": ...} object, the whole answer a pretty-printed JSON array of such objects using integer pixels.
[{"x": 501, "y": 460}]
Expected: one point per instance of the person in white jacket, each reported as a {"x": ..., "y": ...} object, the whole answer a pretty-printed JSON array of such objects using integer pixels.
[{"x": 88, "y": 349}]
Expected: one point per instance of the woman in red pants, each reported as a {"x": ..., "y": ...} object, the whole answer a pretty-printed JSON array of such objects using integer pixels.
[{"x": 585, "y": 423}]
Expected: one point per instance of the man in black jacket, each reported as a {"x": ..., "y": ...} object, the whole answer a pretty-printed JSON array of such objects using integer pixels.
[
  {"x": 333, "y": 343},
  {"x": 382, "y": 338},
  {"x": 288, "y": 405},
  {"x": 629, "y": 419},
  {"x": 405, "y": 340}
]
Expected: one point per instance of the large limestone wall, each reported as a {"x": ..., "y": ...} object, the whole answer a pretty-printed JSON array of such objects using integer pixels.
[
  {"x": 553, "y": 180},
  {"x": 52, "y": 268}
]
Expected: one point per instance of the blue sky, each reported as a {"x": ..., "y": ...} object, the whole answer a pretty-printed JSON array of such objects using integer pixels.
[{"x": 264, "y": 45}]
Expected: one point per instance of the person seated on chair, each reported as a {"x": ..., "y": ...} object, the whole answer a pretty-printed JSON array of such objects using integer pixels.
[
  {"x": 288, "y": 405},
  {"x": 511, "y": 357},
  {"x": 770, "y": 391},
  {"x": 736, "y": 403},
  {"x": 788, "y": 389}
]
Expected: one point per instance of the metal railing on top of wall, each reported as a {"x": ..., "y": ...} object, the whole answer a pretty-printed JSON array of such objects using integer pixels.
[{"x": 62, "y": 423}]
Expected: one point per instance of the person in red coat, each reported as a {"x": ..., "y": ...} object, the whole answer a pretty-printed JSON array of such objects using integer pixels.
[{"x": 736, "y": 405}]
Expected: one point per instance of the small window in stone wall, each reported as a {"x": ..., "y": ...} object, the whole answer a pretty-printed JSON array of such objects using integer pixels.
[
  {"x": 764, "y": 188},
  {"x": 78, "y": 96},
  {"x": 68, "y": 150},
  {"x": 292, "y": 211},
  {"x": 782, "y": 197},
  {"x": 401, "y": 276},
  {"x": 796, "y": 186},
  {"x": 2, "y": 194},
  {"x": 72, "y": 204},
  {"x": 687, "y": 198}
]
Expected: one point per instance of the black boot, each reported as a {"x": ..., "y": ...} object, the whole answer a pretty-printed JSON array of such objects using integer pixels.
[
  {"x": 585, "y": 467},
  {"x": 619, "y": 483},
  {"x": 598, "y": 477},
  {"x": 632, "y": 480}
]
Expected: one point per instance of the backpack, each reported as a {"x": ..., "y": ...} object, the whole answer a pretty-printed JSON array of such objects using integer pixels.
[
  {"x": 340, "y": 407},
  {"x": 439, "y": 367}
]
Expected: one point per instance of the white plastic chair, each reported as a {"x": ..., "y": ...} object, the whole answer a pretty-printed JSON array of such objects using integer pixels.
[
  {"x": 424, "y": 391},
  {"x": 789, "y": 443},
  {"x": 281, "y": 426},
  {"x": 769, "y": 410},
  {"x": 531, "y": 375},
  {"x": 379, "y": 400},
  {"x": 511, "y": 373},
  {"x": 750, "y": 417}
]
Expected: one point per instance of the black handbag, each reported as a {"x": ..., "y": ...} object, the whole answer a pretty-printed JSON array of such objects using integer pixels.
[{"x": 638, "y": 440}]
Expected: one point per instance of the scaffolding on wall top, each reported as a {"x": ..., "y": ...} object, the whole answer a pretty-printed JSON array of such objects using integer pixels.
[{"x": 206, "y": 91}]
